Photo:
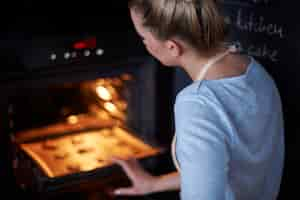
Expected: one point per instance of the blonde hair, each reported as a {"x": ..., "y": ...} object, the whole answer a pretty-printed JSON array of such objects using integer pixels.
[{"x": 199, "y": 23}]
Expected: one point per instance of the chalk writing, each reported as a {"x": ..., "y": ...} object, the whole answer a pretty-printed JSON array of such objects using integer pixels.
[
  {"x": 262, "y": 51},
  {"x": 257, "y": 24}
]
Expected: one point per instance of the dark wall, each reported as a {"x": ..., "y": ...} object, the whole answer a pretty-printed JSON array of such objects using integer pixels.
[{"x": 57, "y": 17}]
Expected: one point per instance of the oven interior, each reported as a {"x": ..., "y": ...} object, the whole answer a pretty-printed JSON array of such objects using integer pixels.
[{"x": 67, "y": 132}]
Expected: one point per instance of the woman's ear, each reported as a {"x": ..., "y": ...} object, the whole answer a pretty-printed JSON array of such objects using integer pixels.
[{"x": 174, "y": 48}]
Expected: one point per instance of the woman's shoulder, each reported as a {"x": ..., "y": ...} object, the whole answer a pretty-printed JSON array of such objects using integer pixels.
[
  {"x": 197, "y": 91},
  {"x": 212, "y": 92}
]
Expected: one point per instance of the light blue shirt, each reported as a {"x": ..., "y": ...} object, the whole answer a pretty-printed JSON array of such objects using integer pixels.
[{"x": 230, "y": 137}]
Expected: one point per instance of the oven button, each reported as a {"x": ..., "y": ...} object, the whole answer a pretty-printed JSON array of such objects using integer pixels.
[
  {"x": 99, "y": 52},
  {"x": 67, "y": 55},
  {"x": 74, "y": 54},
  {"x": 53, "y": 56},
  {"x": 87, "y": 53}
]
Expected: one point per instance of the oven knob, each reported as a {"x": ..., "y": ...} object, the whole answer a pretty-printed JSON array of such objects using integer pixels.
[
  {"x": 67, "y": 55},
  {"x": 74, "y": 54},
  {"x": 53, "y": 56},
  {"x": 87, "y": 53},
  {"x": 99, "y": 52}
]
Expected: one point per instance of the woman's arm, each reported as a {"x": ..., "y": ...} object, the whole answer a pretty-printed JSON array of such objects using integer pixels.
[{"x": 145, "y": 183}]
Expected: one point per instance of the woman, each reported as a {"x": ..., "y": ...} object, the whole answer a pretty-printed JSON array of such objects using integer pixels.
[{"x": 229, "y": 127}]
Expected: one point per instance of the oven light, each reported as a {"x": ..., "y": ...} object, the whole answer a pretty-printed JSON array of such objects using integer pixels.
[
  {"x": 110, "y": 107},
  {"x": 72, "y": 119},
  {"x": 113, "y": 110},
  {"x": 103, "y": 93}
]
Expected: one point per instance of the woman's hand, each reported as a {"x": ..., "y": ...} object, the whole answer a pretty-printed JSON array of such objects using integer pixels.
[{"x": 142, "y": 182}]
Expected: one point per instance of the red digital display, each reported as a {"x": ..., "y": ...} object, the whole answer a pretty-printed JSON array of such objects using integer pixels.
[{"x": 89, "y": 43}]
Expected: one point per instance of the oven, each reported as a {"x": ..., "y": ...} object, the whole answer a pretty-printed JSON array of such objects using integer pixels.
[{"x": 72, "y": 102}]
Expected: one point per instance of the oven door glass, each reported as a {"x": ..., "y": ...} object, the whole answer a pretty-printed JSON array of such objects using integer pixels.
[{"x": 78, "y": 127}]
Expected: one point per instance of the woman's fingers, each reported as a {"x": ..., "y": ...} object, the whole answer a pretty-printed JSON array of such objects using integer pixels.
[
  {"x": 131, "y": 167},
  {"x": 142, "y": 181}
]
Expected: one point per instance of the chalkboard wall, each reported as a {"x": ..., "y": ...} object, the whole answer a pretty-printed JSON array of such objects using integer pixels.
[{"x": 269, "y": 30}]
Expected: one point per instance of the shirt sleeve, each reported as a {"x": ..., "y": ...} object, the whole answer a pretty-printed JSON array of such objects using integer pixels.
[{"x": 201, "y": 150}]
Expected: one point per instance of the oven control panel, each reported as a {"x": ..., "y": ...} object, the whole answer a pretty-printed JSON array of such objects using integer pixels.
[{"x": 71, "y": 50}]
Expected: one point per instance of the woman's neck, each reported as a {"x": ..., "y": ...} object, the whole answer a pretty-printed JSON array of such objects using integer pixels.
[
  {"x": 230, "y": 65},
  {"x": 193, "y": 63}
]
